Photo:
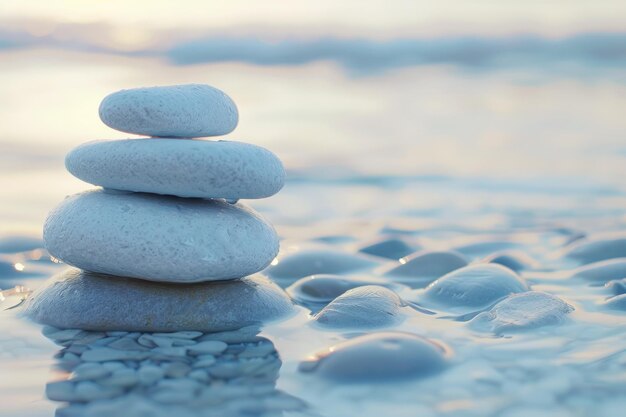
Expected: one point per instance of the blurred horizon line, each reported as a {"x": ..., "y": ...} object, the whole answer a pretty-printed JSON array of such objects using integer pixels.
[{"x": 357, "y": 55}]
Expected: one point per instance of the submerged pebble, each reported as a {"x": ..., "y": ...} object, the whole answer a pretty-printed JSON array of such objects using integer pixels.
[
  {"x": 82, "y": 300},
  {"x": 365, "y": 307},
  {"x": 379, "y": 357},
  {"x": 617, "y": 303},
  {"x": 602, "y": 271},
  {"x": 319, "y": 290},
  {"x": 588, "y": 251},
  {"x": 523, "y": 311},
  {"x": 312, "y": 262},
  {"x": 390, "y": 248},
  {"x": 617, "y": 287},
  {"x": 472, "y": 288},
  {"x": 514, "y": 260},
  {"x": 422, "y": 268}
]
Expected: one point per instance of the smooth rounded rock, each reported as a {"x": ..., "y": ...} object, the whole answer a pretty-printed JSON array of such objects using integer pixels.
[
  {"x": 603, "y": 271},
  {"x": 422, "y": 268},
  {"x": 187, "y": 111},
  {"x": 159, "y": 238},
  {"x": 617, "y": 287},
  {"x": 514, "y": 260},
  {"x": 523, "y": 311},
  {"x": 472, "y": 288},
  {"x": 588, "y": 251},
  {"x": 365, "y": 307},
  {"x": 311, "y": 262},
  {"x": 389, "y": 248},
  {"x": 82, "y": 300},
  {"x": 379, "y": 357},
  {"x": 319, "y": 290},
  {"x": 185, "y": 168}
]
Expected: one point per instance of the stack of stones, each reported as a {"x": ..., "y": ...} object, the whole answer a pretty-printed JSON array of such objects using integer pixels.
[{"x": 164, "y": 245}]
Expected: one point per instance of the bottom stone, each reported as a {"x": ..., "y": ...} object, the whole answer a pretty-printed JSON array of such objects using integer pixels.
[{"x": 78, "y": 299}]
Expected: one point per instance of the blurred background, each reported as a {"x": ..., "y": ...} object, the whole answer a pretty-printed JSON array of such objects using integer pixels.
[{"x": 505, "y": 100}]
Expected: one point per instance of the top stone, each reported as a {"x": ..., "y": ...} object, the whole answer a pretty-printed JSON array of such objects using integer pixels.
[{"x": 184, "y": 111}]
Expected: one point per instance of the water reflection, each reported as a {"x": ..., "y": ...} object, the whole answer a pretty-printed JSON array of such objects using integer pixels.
[{"x": 167, "y": 374}]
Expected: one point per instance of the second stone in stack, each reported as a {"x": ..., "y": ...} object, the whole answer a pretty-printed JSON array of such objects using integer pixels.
[{"x": 168, "y": 213}]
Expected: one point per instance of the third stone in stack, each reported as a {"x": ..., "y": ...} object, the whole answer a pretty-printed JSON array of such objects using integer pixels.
[{"x": 167, "y": 213}]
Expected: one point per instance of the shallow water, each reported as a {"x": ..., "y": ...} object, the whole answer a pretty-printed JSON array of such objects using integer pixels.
[{"x": 574, "y": 365}]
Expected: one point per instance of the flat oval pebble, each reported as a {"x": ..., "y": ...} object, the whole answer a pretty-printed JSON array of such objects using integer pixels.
[
  {"x": 389, "y": 248},
  {"x": 159, "y": 238},
  {"x": 185, "y": 168},
  {"x": 472, "y": 288},
  {"x": 365, "y": 307},
  {"x": 379, "y": 357},
  {"x": 187, "y": 111},
  {"x": 617, "y": 287},
  {"x": 603, "y": 271},
  {"x": 77, "y": 299},
  {"x": 588, "y": 251},
  {"x": 523, "y": 311},
  {"x": 311, "y": 262},
  {"x": 422, "y": 268},
  {"x": 514, "y": 260},
  {"x": 319, "y": 290}
]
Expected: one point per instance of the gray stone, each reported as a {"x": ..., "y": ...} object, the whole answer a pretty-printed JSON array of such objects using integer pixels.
[
  {"x": 159, "y": 238},
  {"x": 82, "y": 300}
]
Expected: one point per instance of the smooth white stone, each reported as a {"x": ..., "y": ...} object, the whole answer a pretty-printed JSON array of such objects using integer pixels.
[
  {"x": 472, "y": 288},
  {"x": 159, "y": 238},
  {"x": 422, "y": 268},
  {"x": 79, "y": 299},
  {"x": 184, "y": 168},
  {"x": 365, "y": 307},
  {"x": 523, "y": 311},
  {"x": 375, "y": 357},
  {"x": 191, "y": 110}
]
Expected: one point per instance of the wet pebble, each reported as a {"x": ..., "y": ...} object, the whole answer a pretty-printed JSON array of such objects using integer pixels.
[
  {"x": 212, "y": 347},
  {"x": 603, "y": 271},
  {"x": 390, "y": 248},
  {"x": 588, "y": 251},
  {"x": 89, "y": 371},
  {"x": 83, "y": 300},
  {"x": 472, "y": 288},
  {"x": 478, "y": 249},
  {"x": 122, "y": 378},
  {"x": 617, "y": 287},
  {"x": 318, "y": 290},
  {"x": 312, "y": 262},
  {"x": 103, "y": 354},
  {"x": 617, "y": 303},
  {"x": 379, "y": 357},
  {"x": 149, "y": 374},
  {"x": 365, "y": 307},
  {"x": 514, "y": 260},
  {"x": 523, "y": 311},
  {"x": 422, "y": 268}
]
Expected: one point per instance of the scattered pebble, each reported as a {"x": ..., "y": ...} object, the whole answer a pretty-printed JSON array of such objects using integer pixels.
[
  {"x": 376, "y": 357},
  {"x": 422, "y": 268},
  {"x": 367, "y": 307}
]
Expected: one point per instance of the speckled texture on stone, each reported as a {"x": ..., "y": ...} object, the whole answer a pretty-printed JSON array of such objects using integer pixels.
[
  {"x": 527, "y": 310},
  {"x": 185, "y": 168},
  {"x": 84, "y": 300},
  {"x": 187, "y": 111},
  {"x": 159, "y": 238}
]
